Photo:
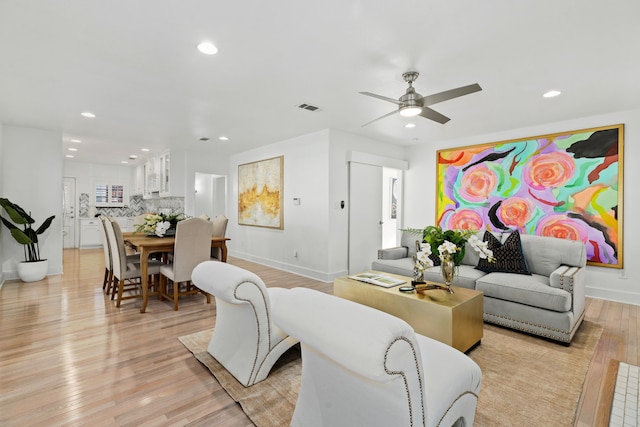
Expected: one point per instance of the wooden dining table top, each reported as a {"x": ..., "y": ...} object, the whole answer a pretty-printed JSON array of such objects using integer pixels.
[
  {"x": 147, "y": 245},
  {"x": 137, "y": 239}
]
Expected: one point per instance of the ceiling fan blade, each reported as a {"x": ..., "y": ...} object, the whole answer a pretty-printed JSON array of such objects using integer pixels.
[
  {"x": 428, "y": 113},
  {"x": 384, "y": 98},
  {"x": 381, "y": 117},
  {"x": 450, "y": 94}
]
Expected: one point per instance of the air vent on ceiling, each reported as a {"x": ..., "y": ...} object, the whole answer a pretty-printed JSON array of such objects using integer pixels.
[
  {"x": 308, "y": 107},
  {"x": 204, "y": 139}
]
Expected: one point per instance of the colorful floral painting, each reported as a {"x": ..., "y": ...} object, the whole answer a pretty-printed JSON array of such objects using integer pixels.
[
  {"x": 260, "y": 189},
  {"x": 566, "y": 185}
]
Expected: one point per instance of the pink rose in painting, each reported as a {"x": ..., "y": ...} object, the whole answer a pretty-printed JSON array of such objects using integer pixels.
[
  {"x": 562, "y": 227},
  {"x": 477, "y": 183},
  {"x": 465, "y": 219},
  {"x": 515, "y": 212},
  {"x": 550, "y": 170}
]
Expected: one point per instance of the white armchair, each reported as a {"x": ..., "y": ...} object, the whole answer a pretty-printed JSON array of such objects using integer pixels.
[
  {"x": 245, "y": 340},
  {"x": 364, "y": 367}
]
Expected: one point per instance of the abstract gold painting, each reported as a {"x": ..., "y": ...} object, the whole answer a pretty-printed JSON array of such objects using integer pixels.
[{"x": 260, "y": 191}]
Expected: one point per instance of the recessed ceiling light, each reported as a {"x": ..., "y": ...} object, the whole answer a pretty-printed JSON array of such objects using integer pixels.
[
  {"x": 73, "y": 149},
  {"x": 223, "y": 138},
  {"x": 124, "y": 161},
  {"x": 69, "y": 156},
  {"x": 133, "y": 156},
  {"x": 207, "y": 48},
  {"x": 88, "y": 114},
  {"x": 76, "y": 140},
  {"x": 410, "y": 125},
  {"x": 552, "y": 93},
  {"x": 204, "y": 139},
  {"x": 144, "y": 149}
]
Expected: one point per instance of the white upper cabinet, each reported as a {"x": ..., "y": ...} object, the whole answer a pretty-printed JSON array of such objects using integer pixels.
[
  {"x": 164, "y": 175},
  {"x": 172, "y": 174},
  {"x": 138, "y": 179}
]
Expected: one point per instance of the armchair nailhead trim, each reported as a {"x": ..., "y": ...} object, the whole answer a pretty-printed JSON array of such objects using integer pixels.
[
  {"x": 254, "y": 371},
  {"x": 453, "y": 403},
  {"x": 565, "y": 335},
  {"x": 404, "y": 378}
]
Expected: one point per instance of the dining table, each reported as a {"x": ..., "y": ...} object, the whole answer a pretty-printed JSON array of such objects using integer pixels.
[{"x": 150, "y": 244}]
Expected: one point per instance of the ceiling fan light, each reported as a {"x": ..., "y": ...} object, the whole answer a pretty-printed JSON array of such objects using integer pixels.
[{"x": 410, "y": 111}]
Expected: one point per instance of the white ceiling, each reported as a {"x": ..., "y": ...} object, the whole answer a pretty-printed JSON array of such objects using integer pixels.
[{"x": 135, "y": 65}]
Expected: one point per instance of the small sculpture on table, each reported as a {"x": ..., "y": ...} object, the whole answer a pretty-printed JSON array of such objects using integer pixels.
[{"x": 421, "y": 262}]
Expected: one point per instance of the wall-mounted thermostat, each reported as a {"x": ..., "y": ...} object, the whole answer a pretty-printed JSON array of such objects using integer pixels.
[{"x": 296, "y": 200}]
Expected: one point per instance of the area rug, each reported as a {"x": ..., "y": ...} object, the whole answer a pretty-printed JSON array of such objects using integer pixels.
[{"x": 526, "y": 380}]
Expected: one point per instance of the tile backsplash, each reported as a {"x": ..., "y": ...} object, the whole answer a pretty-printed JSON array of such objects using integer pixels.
[{"x": 137, "y": 205}]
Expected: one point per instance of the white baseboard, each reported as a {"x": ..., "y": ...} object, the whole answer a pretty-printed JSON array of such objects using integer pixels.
[
  {"x": 617, "y": 296},
  {"x": 302, "y": 271}
]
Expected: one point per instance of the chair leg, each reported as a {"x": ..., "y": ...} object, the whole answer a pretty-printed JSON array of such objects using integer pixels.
[
  {"x": 104, "y": 280},
  {"x": 162, "y": 287},
  {"x": 176, "y": 289},
  {"x": 109, "y": 282},
  {"x": 120, "y": 285},
  {"x": 114, "y": 287}
]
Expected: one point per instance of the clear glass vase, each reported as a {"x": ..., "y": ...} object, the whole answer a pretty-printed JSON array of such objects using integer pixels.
[{"x": 448, "y": 271}]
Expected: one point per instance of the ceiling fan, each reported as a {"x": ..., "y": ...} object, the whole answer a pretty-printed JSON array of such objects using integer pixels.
[{"x": 413, "y": 104}]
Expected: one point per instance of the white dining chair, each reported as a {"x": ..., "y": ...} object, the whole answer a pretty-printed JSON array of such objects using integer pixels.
[
  {"x": 192, "y": 246},
  {"x": 126, "y": 270},
  {"x": 219, "y": 230}
]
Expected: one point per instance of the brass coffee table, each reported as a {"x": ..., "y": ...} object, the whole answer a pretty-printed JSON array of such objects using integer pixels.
[{"x": 454, "y": 319}]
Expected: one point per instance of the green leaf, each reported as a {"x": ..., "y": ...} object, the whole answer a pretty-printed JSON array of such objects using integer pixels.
[
  {"x": 20, "y": 237},
  {"x": 15, "y": 212},
  {"x": 47, "y": 222}
]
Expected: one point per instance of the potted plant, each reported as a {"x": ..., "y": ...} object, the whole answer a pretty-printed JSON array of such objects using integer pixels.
[{"x": 33, "y": 268}]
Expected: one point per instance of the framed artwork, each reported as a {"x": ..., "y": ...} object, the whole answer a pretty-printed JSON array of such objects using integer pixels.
[
  {"x": 260, "y": 191},
  {"x": 393, "y": 185},
  {"x": 567, "y": 185}
]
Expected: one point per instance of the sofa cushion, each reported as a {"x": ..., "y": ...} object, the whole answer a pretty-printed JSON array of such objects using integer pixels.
[
  {"x": 408, "y": 239},
  {"x": 531, "y": 290},
  {"x": 509, "y": 257},
  {"x": 545, "y": 254},
  {"x": 403, "y": 266}
]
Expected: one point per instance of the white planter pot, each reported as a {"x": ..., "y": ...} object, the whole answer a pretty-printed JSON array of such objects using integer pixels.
[{"x": 33, "y": 271}]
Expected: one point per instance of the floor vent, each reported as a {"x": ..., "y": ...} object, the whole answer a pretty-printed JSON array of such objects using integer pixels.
[{"x": 308, "y": 107}]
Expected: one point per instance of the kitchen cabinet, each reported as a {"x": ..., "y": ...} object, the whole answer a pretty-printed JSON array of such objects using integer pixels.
[
  {"x": 151, "y": 177},
  {"x": 138, "y": 186},
  {"x": 172, "y": 174},
  {"x": 90, "y": 234}
]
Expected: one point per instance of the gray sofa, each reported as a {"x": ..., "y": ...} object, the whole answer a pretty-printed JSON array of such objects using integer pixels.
[{"x": 549, "y": 302}]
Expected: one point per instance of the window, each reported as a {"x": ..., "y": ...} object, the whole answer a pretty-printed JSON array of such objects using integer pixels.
[{"x": 110, "y": 195}]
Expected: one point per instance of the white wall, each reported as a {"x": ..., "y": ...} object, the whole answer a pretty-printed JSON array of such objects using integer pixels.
[
  {"x": 316, "y": 171},
  {"x": 32, "y": 178},
  {"x": 606, "y": 283},
  {"x": 2, "y": 227}
]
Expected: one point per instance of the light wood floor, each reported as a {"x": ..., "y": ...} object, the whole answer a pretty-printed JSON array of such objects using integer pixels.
[{"x": 69, "y": 357}]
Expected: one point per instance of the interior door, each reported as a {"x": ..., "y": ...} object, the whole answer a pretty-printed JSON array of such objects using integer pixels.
[
  {"x": 365, "y": 215},
  {"x": 69, "y": 213}
]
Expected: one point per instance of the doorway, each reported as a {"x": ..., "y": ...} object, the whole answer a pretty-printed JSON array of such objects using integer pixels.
[
  {"x": 210, "y": 195},
  {"x": 69, "y": 212},
  {"x": 374, "y": 212}
]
